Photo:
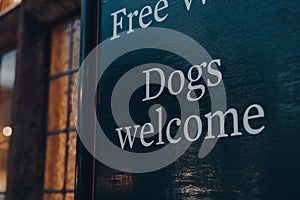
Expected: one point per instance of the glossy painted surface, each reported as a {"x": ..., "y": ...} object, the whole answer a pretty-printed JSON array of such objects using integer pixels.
[{"x": 258, "y": 43}]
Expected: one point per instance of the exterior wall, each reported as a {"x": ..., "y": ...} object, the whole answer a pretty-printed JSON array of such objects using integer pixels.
[{"x": 27, "y": 28}]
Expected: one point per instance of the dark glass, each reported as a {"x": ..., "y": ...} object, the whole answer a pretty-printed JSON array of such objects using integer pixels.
[
  {"x": 258, "y": 44},
  {"x": 85, "y": 161}
]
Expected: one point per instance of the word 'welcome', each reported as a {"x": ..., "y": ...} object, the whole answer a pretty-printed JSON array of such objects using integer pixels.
[{"x": 192, "y": 125}]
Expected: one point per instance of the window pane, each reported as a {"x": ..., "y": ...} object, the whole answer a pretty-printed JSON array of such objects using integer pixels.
[
  {"x": 5, "y": 113},
  {"x": 8, "y": 70},
  {"x": 72, "y": 100},
  {"x": 7, "y": 3},
  {"x": 71, "y": 161},
  {"x": 55, "y": 161},
  {"x": 53, "y": 197},
  {"x": 3, "y": 164},
  {"x": 61, "y": 150},
  {"x": 76, "y": 44},
  {"x": 60, "y": 48},
  {"x": 57, "y": 108},
  {"x": 70, "y": 196},
  {"x": 7, "y": 79}
]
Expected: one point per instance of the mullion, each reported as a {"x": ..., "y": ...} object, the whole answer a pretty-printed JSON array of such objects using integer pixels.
[
  {"x": 58, "y": 191},
  {"x": 62, "y": 74},
  {"x": 55, "y": 132}
]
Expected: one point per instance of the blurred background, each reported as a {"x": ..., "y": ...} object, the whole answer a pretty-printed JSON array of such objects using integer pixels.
[{"x": 43, "y": 37}]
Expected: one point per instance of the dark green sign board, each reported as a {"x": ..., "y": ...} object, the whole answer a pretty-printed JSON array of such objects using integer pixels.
[{"x": 211, "y": 88}]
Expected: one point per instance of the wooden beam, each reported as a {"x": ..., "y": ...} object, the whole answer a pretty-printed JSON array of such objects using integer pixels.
[
  {"x": 9, "y": 29},
  {"x": 52, "y": 11}
]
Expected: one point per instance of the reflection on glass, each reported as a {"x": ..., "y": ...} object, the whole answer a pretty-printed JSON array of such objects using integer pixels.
[
  {"x": 120, "y": 185},
  {"x": 122, "y": 181}
]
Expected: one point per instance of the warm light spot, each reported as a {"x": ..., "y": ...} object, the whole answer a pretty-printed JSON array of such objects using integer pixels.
[{"x": 7, "y": 131}]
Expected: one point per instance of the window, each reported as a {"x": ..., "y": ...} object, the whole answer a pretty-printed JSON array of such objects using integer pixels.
[
  {"x": 59, "y": 181},
  {"x": 7, "y": 78},
  {"x": 8, "y": 4}
]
